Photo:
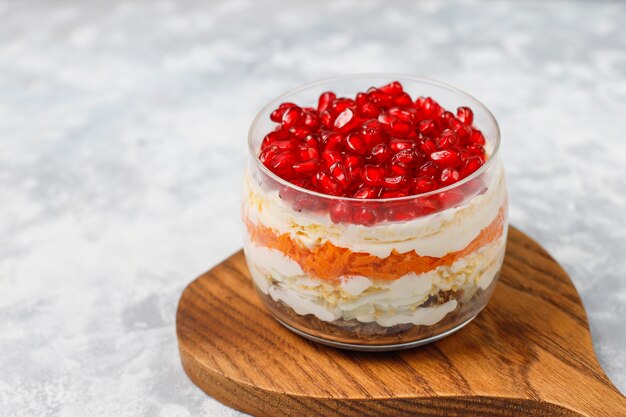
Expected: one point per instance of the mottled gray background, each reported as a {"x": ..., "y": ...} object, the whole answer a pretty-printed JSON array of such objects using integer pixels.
[{"x": 122, "y": 138}]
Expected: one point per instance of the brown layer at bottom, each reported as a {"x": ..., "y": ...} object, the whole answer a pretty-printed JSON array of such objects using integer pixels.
[{"x": 355, "y": 332}]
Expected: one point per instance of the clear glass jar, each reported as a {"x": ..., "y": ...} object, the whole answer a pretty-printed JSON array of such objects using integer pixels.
[{"x": 419, "y": 269}]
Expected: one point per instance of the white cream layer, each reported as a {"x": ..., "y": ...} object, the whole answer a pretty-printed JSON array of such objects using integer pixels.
[
  {"x": 435, "y": 235},
  {"x": 386, "y": 302}
]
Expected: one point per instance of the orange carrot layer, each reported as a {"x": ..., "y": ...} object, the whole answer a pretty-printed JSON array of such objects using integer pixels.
[{"x": 331, "y": 262}]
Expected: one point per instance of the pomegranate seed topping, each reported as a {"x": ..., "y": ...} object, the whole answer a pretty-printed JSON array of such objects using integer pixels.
[
  {"x": 340, "y": 212},
  {"x": 379, "y": 144},
  {"x": 398, "y": 145},
  {"x": 338, "y": 171},
  {"x": 307, "y": 153},
  {"x": 372, "y": 133},
  {"x": 447, "y": 139},
  {"x": 334, "y": 142},
  {"x": 355, "y": 144},
  {"x": 369, "y": 110},
  {"x": 465, "y": 115},
  {"x": 427, "y": 127},
  {"x": 429, "y": 169},
  {"x": 477, "y": 137},
  {"x": 422, "y": 185},
  {"x": 373, "y": 175},
  {"x": 447, "y": 158},
  {"x": 326, "y": 183},
  {"x": 305, "y": 168},
  {"x": 396, "y": 182},
  {"x": 330, "y": 157},
  {"x": 325, "y": 100},
  {"x": 398, "y": 168},
  {"x": 393, "y": 88},
  {"x": 366, "y": 216},
  {"x": 449, "y": 176},
  {"x": 282, "y": 163},
  {"x": 380, "y": 154},
  {"x": 407, "y": 157},
  {"x": 346, "y": 121},
  {"x": 367, "y": 192},
  {"x": 403, "y": 100},
  {"x": 291, "y": 116}
]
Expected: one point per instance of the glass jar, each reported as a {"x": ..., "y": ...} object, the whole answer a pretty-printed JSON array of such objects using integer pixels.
[{"x": 405, "y": 271}]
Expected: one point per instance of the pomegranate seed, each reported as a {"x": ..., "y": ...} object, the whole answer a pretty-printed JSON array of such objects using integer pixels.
[
  {"x": 471, "y": 165},
  {"x": 305, "y": 168},
  {"x": 399, "y": 128},
  {"x": 402, "y": 114},
  {"x": 447, "y": 139},
  {"x": 429, "y": 169},
  {"x": 393, "y": 194},
  {"x": 369, "y": 110},
  {"x": 305, "y": 202},
  {"x": 373, "y": 175},
  {"x": 450, "y": 199},
  {"x": 401, "y": 212},
  {"x": 311, "y": 120},
  {"x": 403, "y": 100},
  {"x": 427, "y": 127},
  {"x": 353, "y": 163},
  {"x": 325, "y": 100},
  {"x": 477, "y": 137},
  {"x": 355, "y": 144},
  {"x": 291, "y": 116},
  {"x": 379, "y": 97},
  {"x": 449, "y": 176},
  {"x": 398, "y": 145},
  {"x": 381, "y": 154},
  {"x": 338, "y": 171},
  {"x": 422, "y": 185},
  {"x": 398, "y": 168},
  {"x": 465, "y": 115},
  {"x": 341, "y": 104},
  {"x": 367, "y": 192},
  {"x": 476, "y": 149},
  {"x": 282, "y": 163},
  {"x": 346, "y": 121},
  {"x": 396, "y": 182},
  {"x": 372, "y": 132},
  {"x": 334, "y": 142},
  {"x": 340, "y": 212},
  {"x": 326, "y": 183},
  {"x": 268, "y": 154},
  {"x": 430, "y": 108},
  {"x": 428, "y": 146},
  {"x": 300, "y": 132},
  {"x": 407, "y": 157},
  {"x": 327, "y": 118},
  {"x": 446, "y": 158},
  {"x": 361, "y": 99},
  {"x": 330, "y": 157},
  {"x": 366, "y": 216},
  {"x": 307, "y": 153},
  {"x": 446, "y": 116},
  {"x": 285, "y": 145},
  {"x": 393, "y": 88},
  {"x": 269, "y": 139},
  {"x": 312, "y": 141}
]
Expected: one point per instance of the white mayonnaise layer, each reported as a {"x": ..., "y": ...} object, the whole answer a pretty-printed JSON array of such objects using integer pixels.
[
  {"x": 386, "y": 302},
  {"x": 435, "y": 235}
]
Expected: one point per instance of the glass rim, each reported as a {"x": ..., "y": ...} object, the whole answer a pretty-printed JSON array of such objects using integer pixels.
[{"x": 391, "y": 77}]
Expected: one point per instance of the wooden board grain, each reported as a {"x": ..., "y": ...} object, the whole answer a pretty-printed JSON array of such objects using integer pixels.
[{"x": 529, "y": 353}]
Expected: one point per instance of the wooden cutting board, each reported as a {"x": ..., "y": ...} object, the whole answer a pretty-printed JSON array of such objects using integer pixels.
[{"x": 529, "y": 353}]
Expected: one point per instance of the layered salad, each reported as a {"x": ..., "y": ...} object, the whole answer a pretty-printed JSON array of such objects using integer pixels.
[{"x": 375, "y": 220}]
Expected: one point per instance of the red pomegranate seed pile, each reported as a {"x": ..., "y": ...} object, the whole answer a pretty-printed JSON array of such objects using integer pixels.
[{"x": 381, "y": 144}]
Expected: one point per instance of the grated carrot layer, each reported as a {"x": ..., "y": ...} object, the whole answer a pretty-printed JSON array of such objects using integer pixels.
[{"x": 331, "y": 262}]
